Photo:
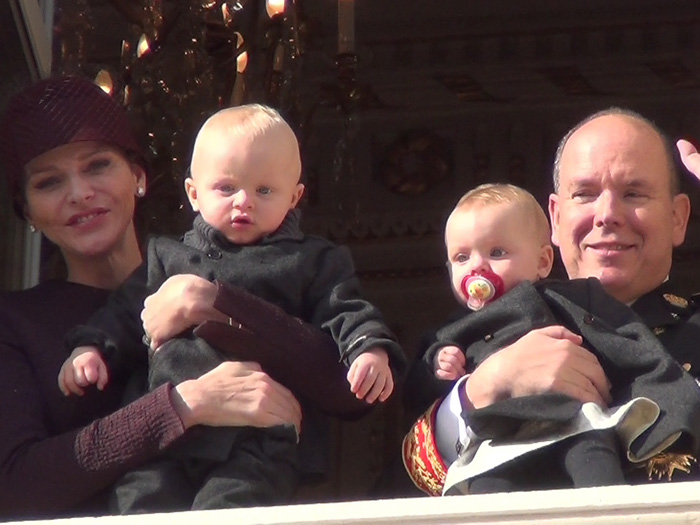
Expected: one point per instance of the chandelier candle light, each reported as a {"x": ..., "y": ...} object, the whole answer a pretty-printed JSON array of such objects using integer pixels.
[{"x": 346, "y": 27}]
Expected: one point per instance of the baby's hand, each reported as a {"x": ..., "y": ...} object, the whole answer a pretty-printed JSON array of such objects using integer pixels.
[
  {"x": 83, "y": 368},
  {"x": 450, "y": 363},
  {"x": 370, "y": 376}
]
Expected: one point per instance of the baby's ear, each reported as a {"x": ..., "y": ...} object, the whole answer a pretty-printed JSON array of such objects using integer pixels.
[
  {"x": 296, "y": 196},
  {"x": 191, "y": 191},
  {"x": 546, "y": 261}
]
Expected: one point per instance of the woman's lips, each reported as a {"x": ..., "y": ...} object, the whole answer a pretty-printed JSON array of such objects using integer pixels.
[{"x": 82, "y": 219}]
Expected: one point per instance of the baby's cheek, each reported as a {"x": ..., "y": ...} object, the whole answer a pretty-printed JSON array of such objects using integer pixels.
[{"x": 456, "y": 285}]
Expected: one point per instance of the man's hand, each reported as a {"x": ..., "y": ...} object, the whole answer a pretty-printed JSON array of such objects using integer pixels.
[
  {"x": 689, "y": 156},
  {"x": 450, "y": 363},
  {"x": 83, "y": 368},
  {"x": 549, "y": 359},
  {"x": 370, "y": 376},
  {"x": 181, "y": 302}
]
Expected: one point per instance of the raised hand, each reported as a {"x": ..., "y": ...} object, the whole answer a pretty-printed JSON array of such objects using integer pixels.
[{"x": 689, "y": 156}]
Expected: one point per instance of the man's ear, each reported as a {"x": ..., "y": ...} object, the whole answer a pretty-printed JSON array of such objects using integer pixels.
[
  {"x": 298, "y": 193},
  {"x": 681, "y": 214},
  {"x": 191, "y": 191},
  {"x": 554, "y": 217},
  {"x": 544, "y": 266}
]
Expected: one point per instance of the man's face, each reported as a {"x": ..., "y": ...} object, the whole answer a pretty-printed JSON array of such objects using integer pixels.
[{"x": 614, "y": 216}]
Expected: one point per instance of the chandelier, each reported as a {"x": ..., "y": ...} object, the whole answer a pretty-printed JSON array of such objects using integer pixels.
[{"x": 182, "y": 60}]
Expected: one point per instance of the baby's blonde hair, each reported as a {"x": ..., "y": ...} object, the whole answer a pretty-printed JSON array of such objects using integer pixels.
[
  {"x": 250, "y": 120},
  {"x": 499, "y": 193}
]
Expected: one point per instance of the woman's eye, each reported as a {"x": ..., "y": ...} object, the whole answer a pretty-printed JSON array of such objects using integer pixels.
[
  {"x": 46, "y": 183},
  {"x": 98, "y": 165}
]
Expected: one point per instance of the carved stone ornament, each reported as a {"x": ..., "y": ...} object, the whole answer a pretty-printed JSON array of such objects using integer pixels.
[{"x": 416, "y": 162}]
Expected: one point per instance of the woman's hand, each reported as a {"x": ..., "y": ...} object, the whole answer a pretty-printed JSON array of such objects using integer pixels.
[
  {"x": 236, "y": 394},
  {"x": 181, "y": 302}
]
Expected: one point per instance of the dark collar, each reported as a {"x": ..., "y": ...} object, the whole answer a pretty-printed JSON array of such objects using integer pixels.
[{"x": 657, "y": 307}]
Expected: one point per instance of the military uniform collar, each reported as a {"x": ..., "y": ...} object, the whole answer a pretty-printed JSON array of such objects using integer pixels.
[{"x": 661, "y": 307}]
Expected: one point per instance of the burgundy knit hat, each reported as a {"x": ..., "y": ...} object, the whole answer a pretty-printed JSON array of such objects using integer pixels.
[{"x": 54, "y": 112}]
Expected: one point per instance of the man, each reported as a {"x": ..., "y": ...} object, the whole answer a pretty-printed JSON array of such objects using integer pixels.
[{"x": 616, "y": 214}]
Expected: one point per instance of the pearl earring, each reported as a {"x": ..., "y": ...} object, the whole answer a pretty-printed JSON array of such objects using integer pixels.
[
  {"x": 32, "y": 228},
  {"x": 141, "y": 191}
]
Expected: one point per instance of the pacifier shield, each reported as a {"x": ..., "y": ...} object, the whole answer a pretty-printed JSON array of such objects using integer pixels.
[{"x": 480, "y": 288}]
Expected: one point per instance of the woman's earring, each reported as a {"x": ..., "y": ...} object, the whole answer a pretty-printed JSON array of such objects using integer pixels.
[
  {"x": 32, "y": 228},
  {"x": 141, "y": 191}
]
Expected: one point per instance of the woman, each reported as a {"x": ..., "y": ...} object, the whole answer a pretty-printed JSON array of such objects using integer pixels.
[{"x": 75, "y": 173}]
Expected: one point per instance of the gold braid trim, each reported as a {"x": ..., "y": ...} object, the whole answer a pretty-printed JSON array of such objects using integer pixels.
[{"x": 421, "y": 458}]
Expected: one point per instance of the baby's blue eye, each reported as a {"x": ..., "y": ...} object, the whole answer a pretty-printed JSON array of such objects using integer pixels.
[
  {"x": 461, "y": 258},
  {"x": 264, "y": 190},
  {"x": 498, "y": 252}
]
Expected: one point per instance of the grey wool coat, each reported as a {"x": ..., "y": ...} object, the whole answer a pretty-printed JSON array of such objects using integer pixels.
[
  {"x": 306, "y": 277},
  {"x": 634, "y": 360}
]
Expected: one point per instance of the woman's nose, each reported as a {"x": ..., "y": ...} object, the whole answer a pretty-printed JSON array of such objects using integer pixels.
[{"x": 80, "y": 189}]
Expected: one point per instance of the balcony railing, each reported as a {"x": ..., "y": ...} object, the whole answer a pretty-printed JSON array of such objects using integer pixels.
[{"x": 663, "y": 503}]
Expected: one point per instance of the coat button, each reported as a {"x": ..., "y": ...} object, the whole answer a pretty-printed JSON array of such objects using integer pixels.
[
  {"x": 488, "y": 337},
  {"x": 214, "y": 254},
  {"x": 588, "y": 319}
]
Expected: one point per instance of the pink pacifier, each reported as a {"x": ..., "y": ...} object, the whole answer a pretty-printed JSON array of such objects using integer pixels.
[{"x": 480, "y": 288}]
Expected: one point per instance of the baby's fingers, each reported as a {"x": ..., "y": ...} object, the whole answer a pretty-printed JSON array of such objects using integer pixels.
[
  {"x": 67, "y": 382},
  {"x": 81, "y": 376},
  {"x": 375, "y": 389},
  {"x": 102, "y": 377},
  {"x": 388, "y": 389},
  {"x": 356, "y": 376}
]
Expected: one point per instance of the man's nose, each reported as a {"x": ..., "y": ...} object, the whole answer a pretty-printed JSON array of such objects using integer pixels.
[{"x": 609, "y": 210}]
